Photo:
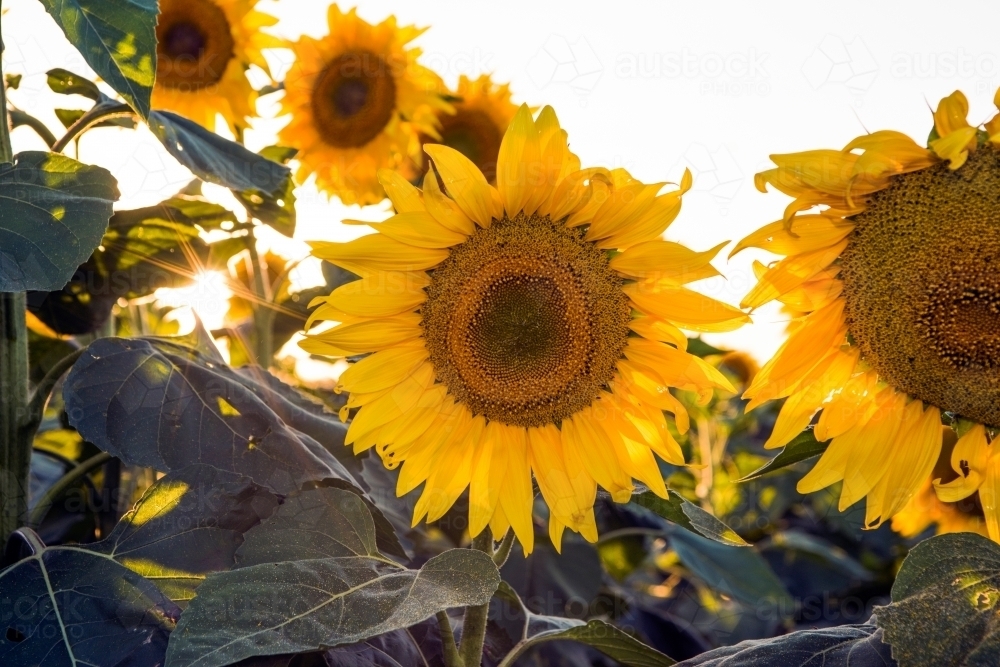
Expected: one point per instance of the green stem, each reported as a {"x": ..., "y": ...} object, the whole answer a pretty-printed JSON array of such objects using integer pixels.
[
  {"x": 36, "y": 406},
  {"x": 503, "y": 551},
  {"x": 18, "y": 118},
  {"x": 263, "y": 315},
  {"x": 15, "y": 438},
  {"x": 448, "y": 647},
  {"x": 474, "y": 627},
  {"x": 45, "y": 503},
  {"x": 6, "y": 151},
  {"x": 100, "y": 111}
]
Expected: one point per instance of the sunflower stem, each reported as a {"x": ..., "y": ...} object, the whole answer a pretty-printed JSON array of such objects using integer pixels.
[
  {"x": 6, "y": 151},
  {"x": 100, "y": 111},
  {"x": 503, "y": 551},
  {"x": 448, "y": 647},
  {"x": 263, "y": 315},
  {"x": 46, "y": 502},
  {"x": 15, "y": 436},
  {"x": 474, "y": 625}
]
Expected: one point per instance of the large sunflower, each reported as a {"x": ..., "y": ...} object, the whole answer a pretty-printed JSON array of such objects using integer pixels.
[
  {"x": 531, "y": 327},
  {"x": 203, "y": 50},
  {"x": 482, "y": 113},
  {"x": 895, "y": 277},
  {"x": 356, "y": 99}
]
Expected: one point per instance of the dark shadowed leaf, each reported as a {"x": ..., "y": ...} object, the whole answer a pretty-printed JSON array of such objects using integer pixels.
[
  {"x": 841, "y": 646},
  {"x": 76, "y": 607},
  {"x": 739, "y": 573},
  {"x": 555, "y": 583},
  {"x": 216, "y": 159},
  {"x": 117, "y": 38},
  {"x": 676, "y": 509},
  {"x": 187, "y": 525},
  {"x": 55, "y": 211},
  {"x": 277, "y": 208},
  {"x": 946, "y": 603},
  {"x": 157, "y": 404},
  {"x": 294, "y": 606},
  {"x": 532, "y": 630},
  {"x": 64, "y": 82},
  {"x": 803, "y": 447},
  {"x": 398, "y": 648}
]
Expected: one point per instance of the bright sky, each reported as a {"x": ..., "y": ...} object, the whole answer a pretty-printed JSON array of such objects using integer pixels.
[{"x": 650, "y": 86}]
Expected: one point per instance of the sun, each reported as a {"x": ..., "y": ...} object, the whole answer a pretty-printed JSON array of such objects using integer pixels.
[
  {"x": 889, "y": 251},
  {"x": 527, "y": 329}
]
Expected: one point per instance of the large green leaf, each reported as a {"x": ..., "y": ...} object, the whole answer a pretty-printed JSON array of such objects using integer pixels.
[
  {"x": 55, "y": 211},
  {"x": 678, "y": 510},
  {"x": 187, "y": 525},
  {"x": 216, "y": 159},
  {"x": 842, "y": 646},
  {"x": 348, "y": 594},
  {"x": 71, "y": 607},
  {"x": 534, "y": 630},
  {"x": 117, "y": 38},
  {"x": 740, "y": 573},
  {"x": 805, "y": 446},
  {"x": 276, "y": 209},
  {"x": 160, "y": 405},
  {"x": 945, "y": 607}
]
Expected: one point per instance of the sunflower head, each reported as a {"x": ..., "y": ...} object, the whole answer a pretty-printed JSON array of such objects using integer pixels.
[
  {"x": 889, "y": 251},
  {"x": 525, "y": 329},
  {"x": 204, "y": 48},
  {"x": 481, "y": 113},
  {"x": 356, "y": 99}
]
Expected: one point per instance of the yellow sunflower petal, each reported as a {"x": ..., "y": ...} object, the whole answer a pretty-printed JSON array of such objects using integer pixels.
[
  {"x": 466, "y": 185},
  {"x": 519, "y": 162},
  {"x": 444, "y": 209},
  {"x": 969, "y": 459},
  {"x": 419, "y": 229},
  {"x": 790, "y": 273},
  {"x": 377, "y": 252},
  {"x": 684, "y": 307},
  {"x": 664, "y": 260}
]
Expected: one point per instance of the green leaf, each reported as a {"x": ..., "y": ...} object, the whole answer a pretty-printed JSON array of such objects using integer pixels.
[
  {"x": 803, "y": 447},
  {"x": 64, "y": 82},
  {"x": 349, "y": 594},
  {"x": 739, "y": 573},
  {"x": 55, "y": 211},
  {"x": 277, "y": 209},
  {"x": 187, "y": 525},
  {"x": 155, "y": 404},
  {"x": 841, "y": 646},
  {"x": 76, "y": 607},
  {"x": 117, "y": 38},
  {"x": 613, "y": 642},
  {"x": 216, "y": 159},
  {"x": 945, "y": 607},
  {"x": 676, "y": 509},
  {"x": 12, "y": 80}
]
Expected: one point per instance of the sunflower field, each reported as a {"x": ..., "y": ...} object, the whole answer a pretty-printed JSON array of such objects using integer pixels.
[{"x": 319, "y": 348}]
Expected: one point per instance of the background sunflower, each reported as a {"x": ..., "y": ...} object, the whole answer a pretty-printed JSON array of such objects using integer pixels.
[
  {"x": 356, "y": 99},
  {"x": 204, "y": 48}
]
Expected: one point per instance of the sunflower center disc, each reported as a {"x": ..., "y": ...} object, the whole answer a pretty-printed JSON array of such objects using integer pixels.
[
  {"x": 474, "y": 134},
  {"x": 353, "y": 99},
  {"x": 525, "y": 321},
  {"x": 922, "y": 286},
  {"x": 194, "y": 44}
]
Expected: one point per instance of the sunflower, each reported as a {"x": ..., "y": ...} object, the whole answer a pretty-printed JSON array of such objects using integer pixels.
[
  {"x": 889, "y": 257},
  {"x": 203, "y": 50},
  {"x": 357, "y": 100},
  {"x": 530, "y": 327},
  {"x": 482, "y": 113}
]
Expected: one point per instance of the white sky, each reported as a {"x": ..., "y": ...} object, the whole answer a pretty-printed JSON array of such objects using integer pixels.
[{"x": 650, "y": 86}]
